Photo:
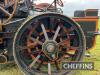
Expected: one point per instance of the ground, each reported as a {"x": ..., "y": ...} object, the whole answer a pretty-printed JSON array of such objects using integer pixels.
[
  {"x": 12, "y": 69},
  {"x": 95, "y": 57}
]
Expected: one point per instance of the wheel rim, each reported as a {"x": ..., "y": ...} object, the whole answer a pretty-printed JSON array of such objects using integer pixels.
[{"x": 51, "y": 38}]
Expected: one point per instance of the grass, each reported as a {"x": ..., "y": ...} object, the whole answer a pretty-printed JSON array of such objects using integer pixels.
[
  {"x": 12, "y": 69},
  {"x": 95, "y": 57},
  {"x": 9, "y": 69}
]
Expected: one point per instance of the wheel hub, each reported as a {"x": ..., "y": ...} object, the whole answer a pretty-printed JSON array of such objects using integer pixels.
[{"x": 50, "y": 48}]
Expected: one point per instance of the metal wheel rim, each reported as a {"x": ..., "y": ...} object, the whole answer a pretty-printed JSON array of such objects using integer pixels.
[{"x": 27, "y": 70}]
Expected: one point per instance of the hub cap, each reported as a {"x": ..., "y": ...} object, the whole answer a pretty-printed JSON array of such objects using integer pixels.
[{"x": 50, "y": 49}]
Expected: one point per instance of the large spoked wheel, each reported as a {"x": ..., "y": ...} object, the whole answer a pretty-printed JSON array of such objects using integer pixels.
[
  {"x": 45, "y": 41},
  {"x": 8, "y": 8}
]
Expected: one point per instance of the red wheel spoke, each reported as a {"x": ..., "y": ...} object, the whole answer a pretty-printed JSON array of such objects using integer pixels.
[
  {"x": 36, "y": 41},
  {"x": 25, "y": 47},
  {"x": 73, "y": 48},
  {"x": 65, "y": 29},
  {"x": 22, "y": 47},
  {"x": 31, "y": 45},
  {"x": 65, "y": 42},
  {"x": 68, "y": 30}
]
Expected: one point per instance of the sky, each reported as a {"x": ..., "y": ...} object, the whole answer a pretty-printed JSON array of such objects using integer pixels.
[{"x": 71, "y": 5}]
